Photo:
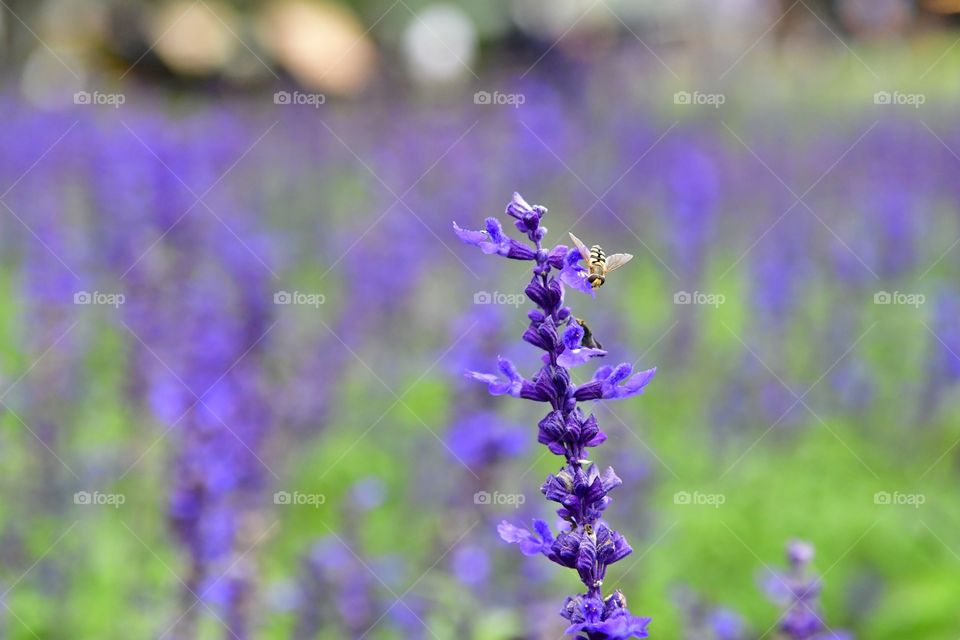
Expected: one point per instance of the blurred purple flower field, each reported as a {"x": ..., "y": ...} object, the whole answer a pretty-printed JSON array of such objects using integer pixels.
[{"x": 257, "y": 381}]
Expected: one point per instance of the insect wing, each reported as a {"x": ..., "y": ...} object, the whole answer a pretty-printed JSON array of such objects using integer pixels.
[
  {"x": 589, "y": 340},
  {"x": 582, "y": 248},
  {"x": 617, "y": 260}
]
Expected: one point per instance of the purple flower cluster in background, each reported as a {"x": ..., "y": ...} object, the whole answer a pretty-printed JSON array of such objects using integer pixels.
[
  {"x": 798, "y": 591},
  {"x": 189, "y": 360},
  {"x": 705, "y": 622},
  {"x": 587, "y": 543}
]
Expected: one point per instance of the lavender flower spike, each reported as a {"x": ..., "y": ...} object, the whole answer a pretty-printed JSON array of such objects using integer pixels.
[
  {"x": 798, "y": 590},
  {"x": 587, "y": 543}
]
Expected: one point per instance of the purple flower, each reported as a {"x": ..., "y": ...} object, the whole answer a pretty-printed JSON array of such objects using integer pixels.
[
  {"x": 493, "y": 241},
  {"x": 800, "y": 553},
  {"x": 704, "y": 622},
  {"x": 589, "y": 545},
  {"x": 531, "y": 543},
  {"x": 481, "y": 439},
  {"x": 798, "y": 590},
  {"x": 336, "y": 591},
  {"x": 528, "y": 217},
  {"x": 590, "y": 551},
  {"x": 573, "y": 354},
  {"x": 571, "y": 434},
  {"x": 603, "y": 620},
  {"x": 512, "y": 382},
  {"x": 583, "y": 495},
  {"x": 471, "y": 564},
  {"x": 573, "y": 274},
  {"x": 611, "y": 383},
  {"x": 725, "y": 624}
]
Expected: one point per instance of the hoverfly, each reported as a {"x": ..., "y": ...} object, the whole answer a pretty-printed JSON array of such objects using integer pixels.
[
  {"x": 599, "y": 265},
  {"x": 589, "y": 340}
]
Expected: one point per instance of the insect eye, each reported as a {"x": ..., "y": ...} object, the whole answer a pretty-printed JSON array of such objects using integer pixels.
[{"x": 592, "y": 277}]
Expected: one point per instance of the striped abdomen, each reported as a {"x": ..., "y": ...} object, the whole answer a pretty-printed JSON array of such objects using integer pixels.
[{"x": 597, "y": 257}]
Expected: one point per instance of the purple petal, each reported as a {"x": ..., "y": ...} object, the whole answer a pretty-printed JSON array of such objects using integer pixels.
[
  {"x": 518, "y": 206},
  {"x": 576, "y": 278},
  {"x": 530, "y": 544},
  {"x": 602, "y": 373},
  {"x": 636, "y": 384},
  {"x": 511, "y": 383},
  {"x": 471, "y": 237},
  {"x": 572, "y": 336},
  {"x": 574, "y": 357},
  {"x": 496, "y": 386}
]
